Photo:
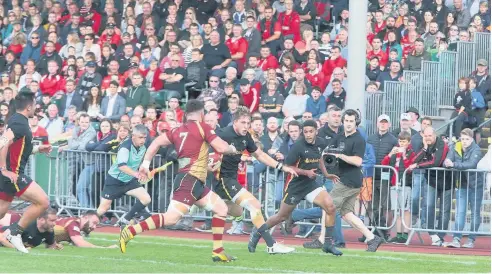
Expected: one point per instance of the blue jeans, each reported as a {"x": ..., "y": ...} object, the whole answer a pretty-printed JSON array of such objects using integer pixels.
[
  {"x": 474, "y": 197},
  {"x": 444, "y": 209},
  {"x": 84, "y": 187},
  {"x": 419, "y": 182},
  {"x": 316, "y": 213}
]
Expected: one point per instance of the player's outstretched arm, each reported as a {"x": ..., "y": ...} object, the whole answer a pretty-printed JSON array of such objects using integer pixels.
[
  {"x": 80, "y": 242},
  {"x": 269, "y": 161},
  {"x": 158, "y": 142},
  {"x": 222, "y": 146}
]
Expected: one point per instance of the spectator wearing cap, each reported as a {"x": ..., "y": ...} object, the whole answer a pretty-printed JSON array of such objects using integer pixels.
[
  {"x": 415, "y": 58},
  {"x": 405, "y": 125},
  {"x": 339, "y": 95},
  {"x": 137, "y": 94},
  {"x": 91, "y": 46},
  {"x": 109, "y": 36},
  {"x": 52, "y": 82},
  {"x": 174, "y": 80},
  {"x": 393, "y": 74},
  {"x": 267, "y": 60},
  {"x": 50, "y": 54},
  {"x": 482, "y": 79},
  {"x": 335, "y": 61},
  {"x": 216, "y": 55},
  {"x": 133, "y": 68},
  {"x": 89, "y": 79},
  {"x": 414, "y": 115},
  {"x": 32, "y": 50},
  {"x": 383, "y": 142},
  {"x": 377, "y": 51},
  {"x": 113, "y": 106},
  {"x": 91, "y": 17},
  {"x": 373, "y": 69},
  {"x": 250, "y": 95}
]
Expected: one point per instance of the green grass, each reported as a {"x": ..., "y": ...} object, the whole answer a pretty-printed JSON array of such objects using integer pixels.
[{"x": 158, "y": 254}]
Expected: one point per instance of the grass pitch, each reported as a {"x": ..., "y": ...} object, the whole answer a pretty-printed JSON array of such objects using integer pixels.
[{"x": 159, "y": 254}]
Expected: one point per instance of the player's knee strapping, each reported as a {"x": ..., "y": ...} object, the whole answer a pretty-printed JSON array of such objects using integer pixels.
[
  {"x": 178, "y": 207},
  {"x": 244, "y": 199}
]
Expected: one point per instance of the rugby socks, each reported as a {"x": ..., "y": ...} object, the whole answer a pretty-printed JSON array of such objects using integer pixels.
[
  {"x": 262, "y": 227},
  {"x": 137, "y": 207},
  {"x": 16, "y": 229},
  {"x": 329, "y": 235},
  {"x": 218, "y": 223},
  {"x": 405, "y": 235},
  {"x": 153, "y": 222}
]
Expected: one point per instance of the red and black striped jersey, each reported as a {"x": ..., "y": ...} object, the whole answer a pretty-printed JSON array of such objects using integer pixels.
[{"x": 21, "y": 148}]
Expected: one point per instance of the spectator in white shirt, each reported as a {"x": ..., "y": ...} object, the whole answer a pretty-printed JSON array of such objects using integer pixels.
[{"x": 52, "y": 123}]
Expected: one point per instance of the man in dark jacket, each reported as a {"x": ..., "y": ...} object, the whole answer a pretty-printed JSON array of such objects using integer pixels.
[
  {"x": 71, "y": 98},
  {"x": 415, "y": 58},
  {"x": 383, "y": 142},
  {"x": 433, "y": 153},
  {"x": 32, "y": 49},
  {"x": 405, "y": 125},
  {"x": 50, "y": 54},
  {"x": 137, "y": 94}
]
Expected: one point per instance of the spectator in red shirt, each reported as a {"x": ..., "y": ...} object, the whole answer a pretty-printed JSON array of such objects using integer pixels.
[
  {"x": 380, "y": 24},
  {"x": 336, "y": 61},
  {"x": 52, "y": 82},
  {"x": 315, "y": 75},
  {"x": 238, "y": 46},
  {"x": 290, "y": 22},
  {"x": 39, "y": 133},
  {"x": 109, "y": 36},
  {"x": 377, "y": 51},
  {"x": 113, "y": 75},
  {"x": 251, "y": 96},
  {"x": 270, "y": 30},
  {"x": 267, "y": 60},
  {"x": 173, "y": 104}
]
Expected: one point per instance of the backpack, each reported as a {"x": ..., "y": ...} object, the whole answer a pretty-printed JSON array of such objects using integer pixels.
[{"x": 478, "y": 101}]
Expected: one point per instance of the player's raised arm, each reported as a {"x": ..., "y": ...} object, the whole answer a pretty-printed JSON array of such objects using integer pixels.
[{"x": 158, "y": 142}]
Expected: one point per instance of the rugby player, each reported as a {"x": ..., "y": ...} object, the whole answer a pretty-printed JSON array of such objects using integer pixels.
[
  {"x": 228, "y": 187},
  {"x": 70, "y": 229},
  {"x": 123, "y": 177},
  {"x": 304, "y": 157},
  {"x": 38, "y": 232},
  {"x": 13, "y": 159},
  {"x": 191, "y": 140}
]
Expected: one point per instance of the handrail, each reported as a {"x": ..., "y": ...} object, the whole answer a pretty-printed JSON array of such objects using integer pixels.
[
  {"x": 481, "y": 125},
  {"x": 450, "y": 122}
]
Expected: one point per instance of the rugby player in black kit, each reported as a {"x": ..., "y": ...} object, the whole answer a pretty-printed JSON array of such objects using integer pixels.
[
  {"x": 228, "y": 188},
  {"x": 304, "y": 157},
  {"x": 13, "y": 159}
]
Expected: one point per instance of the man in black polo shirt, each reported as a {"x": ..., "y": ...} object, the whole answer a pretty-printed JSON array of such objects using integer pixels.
[
  {"x": 229, "y": 189},
  {"x": 304, "y": 158},
  {"x": 38, "y": 232},
  {"x": 216, "y": 55},
  {"x": 348, "y": 177},
  {"x": 333, "y": 125},
  {"x": 174, "y": 80}
]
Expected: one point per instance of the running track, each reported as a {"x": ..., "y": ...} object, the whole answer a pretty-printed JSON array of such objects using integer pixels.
[{"x": 482, "y": 244}]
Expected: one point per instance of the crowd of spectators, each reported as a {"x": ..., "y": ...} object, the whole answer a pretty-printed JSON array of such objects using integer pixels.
[{"x": 100, "y": 67}]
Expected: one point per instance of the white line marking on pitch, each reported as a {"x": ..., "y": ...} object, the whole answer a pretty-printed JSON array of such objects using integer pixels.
[
  {"x": 304, "y": 252},
  {"x": 164, "y": 262}
]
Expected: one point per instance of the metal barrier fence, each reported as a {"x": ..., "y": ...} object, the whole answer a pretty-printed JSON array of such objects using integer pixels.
[
  {"x": 446, "y": 201},
  {"x": 436, "y": 84},
  {"x": 81, "y": 176},
  {"x": 373, "y": 108}
]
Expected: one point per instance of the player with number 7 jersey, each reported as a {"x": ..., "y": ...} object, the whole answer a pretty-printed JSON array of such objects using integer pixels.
[{"x": 192, "y": 141}]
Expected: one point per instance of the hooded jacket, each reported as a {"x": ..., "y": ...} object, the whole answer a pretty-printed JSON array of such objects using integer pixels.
[{"x": 463, "y": 160}]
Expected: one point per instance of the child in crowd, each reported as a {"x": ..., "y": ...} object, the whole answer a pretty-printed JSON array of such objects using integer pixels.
[{"x": 401, "y": 158}]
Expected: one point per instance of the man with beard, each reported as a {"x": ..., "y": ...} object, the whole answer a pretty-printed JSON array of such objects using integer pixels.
[
  {"x": 390, "y": 26},
  {"x": 71, "y": 229},
  {"x": 38, "y": 232},
  {"x": 270, "y": 31},
  {"x": 430, "y": 36}
]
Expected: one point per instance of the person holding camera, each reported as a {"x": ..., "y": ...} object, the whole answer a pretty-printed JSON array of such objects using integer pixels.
[
  {"x": 304, "y": 158},
  {"x": 341, "y": 162}
]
